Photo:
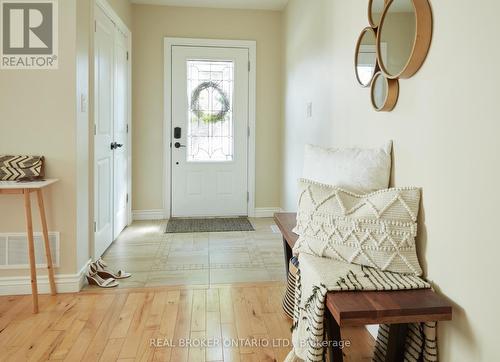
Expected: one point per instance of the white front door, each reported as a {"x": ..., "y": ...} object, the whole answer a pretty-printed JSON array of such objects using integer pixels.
[
  {"x": 103, "y": 155},
  {"x": 209, "y": 131}
]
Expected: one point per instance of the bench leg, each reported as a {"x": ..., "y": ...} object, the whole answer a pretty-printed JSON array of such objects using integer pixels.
[
  {"x": 288, "y": 255},
  {"x": 334, "y": 335},
  {"x": 396, "y": 343}
]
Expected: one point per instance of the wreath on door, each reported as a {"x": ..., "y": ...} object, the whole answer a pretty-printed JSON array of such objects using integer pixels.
[{"x": 204, "y": 115}]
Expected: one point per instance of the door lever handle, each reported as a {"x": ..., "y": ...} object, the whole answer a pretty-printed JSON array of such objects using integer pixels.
[
  {"x": 115, "y": 145},
  {"x": 178, "y": 145}
]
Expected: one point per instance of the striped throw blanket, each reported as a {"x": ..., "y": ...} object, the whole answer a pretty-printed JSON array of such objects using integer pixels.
[
  {"x": 289, "y": 297},
  {"x": 316, "y": 276}
]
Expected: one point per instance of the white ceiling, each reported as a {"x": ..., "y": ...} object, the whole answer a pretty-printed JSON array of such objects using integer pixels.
[{"x": 228, "y": 4}]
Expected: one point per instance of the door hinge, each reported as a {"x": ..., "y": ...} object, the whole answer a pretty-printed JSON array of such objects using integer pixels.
[
  {"x": 248, "y": 128},
  {"x": 249, "y": 66},
  {"x": 95, "y": 227},
  {"x": 127, "y": 198},
  {"x": 127, "y": 127},
  {"x": 95, "y": 129},
  {"x": 248, "y": 196},
  {"x": 127, "y": 56},
  {"x": 95, "y": 26}
]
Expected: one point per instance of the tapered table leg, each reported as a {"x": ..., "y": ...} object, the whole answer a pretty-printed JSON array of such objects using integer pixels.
[
  {"x": 48, "y": 254},
  {"x": 31, "y": 249}
]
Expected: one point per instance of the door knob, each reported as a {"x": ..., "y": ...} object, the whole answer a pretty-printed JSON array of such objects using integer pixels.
[{"x": 178, "y": 145}]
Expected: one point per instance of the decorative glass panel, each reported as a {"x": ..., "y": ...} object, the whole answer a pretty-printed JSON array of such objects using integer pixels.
[{"x": 210, "y": 134}]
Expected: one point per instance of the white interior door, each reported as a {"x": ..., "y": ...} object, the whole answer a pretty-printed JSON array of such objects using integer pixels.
[
  {"x": 103, "y": 155},
  {"x": 120, "y": 152},
  {"x": 111, "y": 154},
  {"x": 209, "y": 162}
]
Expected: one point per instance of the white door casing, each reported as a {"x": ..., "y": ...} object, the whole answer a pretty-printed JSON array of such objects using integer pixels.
[
  {"x": 103, "y": 155},
  {"x": 209, "y": 161}
]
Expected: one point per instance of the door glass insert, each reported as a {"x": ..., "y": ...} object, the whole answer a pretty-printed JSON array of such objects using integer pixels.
[{"x": 210, "y": 131}]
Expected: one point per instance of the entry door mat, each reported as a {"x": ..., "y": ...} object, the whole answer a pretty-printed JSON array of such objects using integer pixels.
[{"x": 208, "y": 225}]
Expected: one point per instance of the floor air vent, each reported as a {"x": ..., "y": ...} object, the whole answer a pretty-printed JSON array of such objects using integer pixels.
[{"x": 14, "y": 250}]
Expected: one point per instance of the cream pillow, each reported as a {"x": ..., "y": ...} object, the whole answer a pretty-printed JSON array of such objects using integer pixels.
[
  {"x": 376, "y": 229},
  {"x": 355, "y": 169}
]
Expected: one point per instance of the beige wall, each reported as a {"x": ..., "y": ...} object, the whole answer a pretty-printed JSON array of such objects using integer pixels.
[
  {"x": 38, "y": 116},
  {"x": 446, "y": 136},
  {"x": 123, "y": 9},
  {"x": 150, "y": 25}
]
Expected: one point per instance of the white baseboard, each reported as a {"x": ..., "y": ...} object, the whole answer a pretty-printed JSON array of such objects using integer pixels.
[
  {"x": 65, "y": 283},
  {"x": 158, "y": 214},
  {"x": 266, "y": 211}
]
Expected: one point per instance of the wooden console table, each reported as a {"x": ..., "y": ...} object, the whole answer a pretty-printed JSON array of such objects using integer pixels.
[
  {"x": 25, "y": 189},
  {"x": 358, "y": 308}
]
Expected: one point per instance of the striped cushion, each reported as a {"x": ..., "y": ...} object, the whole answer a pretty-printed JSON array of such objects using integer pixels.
[
  {"x": 289, "y": 298},
  {"x": 13, "y": 168}
]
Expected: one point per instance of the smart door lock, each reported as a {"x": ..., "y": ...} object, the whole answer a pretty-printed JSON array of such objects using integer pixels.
[{"x": 177, "y": 133}]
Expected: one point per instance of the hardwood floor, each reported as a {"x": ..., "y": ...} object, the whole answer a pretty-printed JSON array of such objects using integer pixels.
[{"x": 151, "y": 325}]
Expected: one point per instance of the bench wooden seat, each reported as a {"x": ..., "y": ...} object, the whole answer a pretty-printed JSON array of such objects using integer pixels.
[
  {"x": 387, "y": 307},
  {"x": 397, "y": 308}
]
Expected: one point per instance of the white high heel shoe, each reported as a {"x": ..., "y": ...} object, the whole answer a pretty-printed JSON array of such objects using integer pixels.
[
  {"x": 94, "y": 279},
  {"x": 102, "y": 269}
]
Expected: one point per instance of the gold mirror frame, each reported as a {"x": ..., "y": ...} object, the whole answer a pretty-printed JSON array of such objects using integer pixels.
[
  {"x": 420, "y": 49},
  {"x": 391, "y": 96},
  {"x": 356, "y": 54},
  {"x": 370, "y": 14},
  {"x": 421, "y": 41}
]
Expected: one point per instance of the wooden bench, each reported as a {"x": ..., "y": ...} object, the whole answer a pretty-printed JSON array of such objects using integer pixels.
[{"x": 396, "y": 308}]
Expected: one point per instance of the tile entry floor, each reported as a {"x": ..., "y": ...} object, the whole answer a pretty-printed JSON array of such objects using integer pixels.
[{"x": 158, "y": 259}]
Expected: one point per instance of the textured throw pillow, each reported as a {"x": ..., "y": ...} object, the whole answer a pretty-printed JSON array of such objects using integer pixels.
[
  {"x": 376, "y": 229},
  {"x": 358, "y": 170}
]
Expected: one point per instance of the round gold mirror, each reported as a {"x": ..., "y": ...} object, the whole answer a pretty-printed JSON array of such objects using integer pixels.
[
  {"x": 366, "y": 57},
  {"x": 393, "y": 47},
  {"x": 404, "y": 37},
  {"x": 375, "y": 11},
  {"x": 384, "y": 93}
]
